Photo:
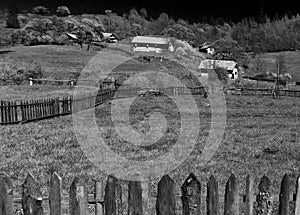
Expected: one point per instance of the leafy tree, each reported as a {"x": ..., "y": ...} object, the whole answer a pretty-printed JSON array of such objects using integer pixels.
[
  {"x": 12, "y": 17},
  {"x": 40, "y": 10},
  {"x": 63, "y": 11}
]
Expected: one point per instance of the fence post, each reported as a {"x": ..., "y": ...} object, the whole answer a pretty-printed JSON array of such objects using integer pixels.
[
  {"x": 212, "y": 199},
  {"x": 135, "y": 204},
  {"x": 30, "y": 82},
  {"x": 165, "y": 202},
  {"x": 284, "y": 196},
  {"x": 297, "y": 204},
  {"x": 231, "y": 206},
  {"x": 110, "y": 196},
  {"x": 249, "y": 196},
  {"x": 31, "y": 197},
  {"x": 78, "y": 197},
  {"x": 99, "y": 210},
  {"x": 55, "y": 194},
  {"x": 264, "y": 197},
  {"x": 191, "y": 196},
  {"x": 6, "y": 195}
]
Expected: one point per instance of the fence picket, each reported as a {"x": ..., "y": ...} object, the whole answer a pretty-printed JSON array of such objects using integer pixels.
[
  {"x": 135, "y": 205},
  {"x": 6, "y": 195},
  {"x": 249, "y": 195},
  {"x": 165, "y": 202},
  {"x": 55, "y": 194},
  {"x": 212, "y": 199},
  {"x": 110, "y": 196},
  {"x": 231, "y": 197},
  {"x": 99, "y": 209},
  {"x": 284, "y": 196},
  {"x": 297, "y": 204}
]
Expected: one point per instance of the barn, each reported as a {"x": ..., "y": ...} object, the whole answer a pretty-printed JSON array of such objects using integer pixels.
[
  {"x": 109, "y": 37},
  {"x": 151, "y": 44},
  {"x": 229, "y": 65}
]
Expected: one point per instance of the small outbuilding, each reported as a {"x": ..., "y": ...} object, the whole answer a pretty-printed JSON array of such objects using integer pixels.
[
  {"x": 207, "y": 48},
  {"x": 109, "y": 37},
  {"x": 151, "y": 44},
  {"x": 229, "y": 65}
]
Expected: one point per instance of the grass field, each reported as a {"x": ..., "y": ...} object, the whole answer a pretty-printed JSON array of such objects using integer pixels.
[
  {"x": 261, "y": 137},
  {"x": 292, "y": 63}
]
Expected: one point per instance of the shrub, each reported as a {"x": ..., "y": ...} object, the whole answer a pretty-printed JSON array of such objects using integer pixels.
[
  {"x": 40, "y": 10},
  {"x": 14, "y": 72},
  {"x": 63, "y": 11}
]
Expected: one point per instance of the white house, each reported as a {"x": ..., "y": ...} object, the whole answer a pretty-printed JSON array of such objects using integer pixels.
[
  {"x": 109, "y": 37},
  {"x": 151, "y": 44},
  {"x": 229, "y": 65},
  {"x": 207, "y": 48}
]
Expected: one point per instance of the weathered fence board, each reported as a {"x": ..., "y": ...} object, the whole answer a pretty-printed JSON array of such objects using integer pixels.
[
  {"x": 297, "y": 204},
  {"x": 249, "y": 195},
  {"x": 284, "y": 196},
  {"x": 55, "y": 194},
  {"x": 212, "y": 199},
  {"x": 135, "y": 204},
  {"x": 231, "y": 206},
  {"x": 165, "y": 202},
  {"x": 6, "y": 195}
]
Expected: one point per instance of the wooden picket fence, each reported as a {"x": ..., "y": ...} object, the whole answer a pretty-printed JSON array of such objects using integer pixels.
[
  {"x": 27, "y": 111},
  {"x": 14, "y": 112},
  {"x": 108, "y": 199}
]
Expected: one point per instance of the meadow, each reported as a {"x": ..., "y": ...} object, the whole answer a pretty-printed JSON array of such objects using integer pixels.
[
  {"x": 261, "y": 135},
  {"x": 261, "y": 138}
]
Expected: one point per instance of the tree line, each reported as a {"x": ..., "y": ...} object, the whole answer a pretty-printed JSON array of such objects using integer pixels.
[{"x": 257, "y": 35}]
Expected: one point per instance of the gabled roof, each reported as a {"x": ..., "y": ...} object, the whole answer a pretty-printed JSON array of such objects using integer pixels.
[
  {"x": 72, "y": 36},
  {"x": 151, "y": 40},
  {"x": 108, "y": 35},
  {"x": 211, "y": 64}
]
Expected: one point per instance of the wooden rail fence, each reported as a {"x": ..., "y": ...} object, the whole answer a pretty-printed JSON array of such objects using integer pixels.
[
  {"x": 108, "y": 199},
  {"x": 263, "y": 92},
  {"x": 12, "y": 112}
]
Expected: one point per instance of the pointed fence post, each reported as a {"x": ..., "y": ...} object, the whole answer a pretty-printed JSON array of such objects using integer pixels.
[
  {"x": 78, "y": 197},
  {"x": 165, "y": 202},
  {"x": 99, "y": 209},
  {"x": 249, "y": 195},
  {"x": 191, "y": 196},
  {"x": 284, "y": 196},
  {"x": 212, "y": 199},
  {"x": 231, "y": 206},
  {"x": 264, "y": 197},
  {"x": 6, "y": 195},
  {"x": 110, "y": 196},
  {"x": 55, "y": 194},
  {"x": 31, "y": 197},
  {"x": 135, "y": 203},
  {"x": 297, "y": 204}
]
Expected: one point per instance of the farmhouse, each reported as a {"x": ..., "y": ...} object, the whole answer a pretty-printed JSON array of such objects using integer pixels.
[
  {"x": 151, "y": 44},
  {"x": 109, "y": 37},
  {"x": 229, "y": 65},
  {"x": 207, "y": 48}
]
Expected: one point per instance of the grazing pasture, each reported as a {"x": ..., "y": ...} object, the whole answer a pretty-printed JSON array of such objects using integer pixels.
[{"x": 261, "y": 137}]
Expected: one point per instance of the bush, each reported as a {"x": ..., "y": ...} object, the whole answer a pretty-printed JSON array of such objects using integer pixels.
[
  {"x": 14, "y": 72},
  {"x": 40, "y": 10},
  {"x": 63, "y": 11}
]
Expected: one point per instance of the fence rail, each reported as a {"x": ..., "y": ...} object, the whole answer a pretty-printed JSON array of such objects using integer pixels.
[
  {"x": 107, "y": 197},
  {"x": 12, "y": 112}
]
